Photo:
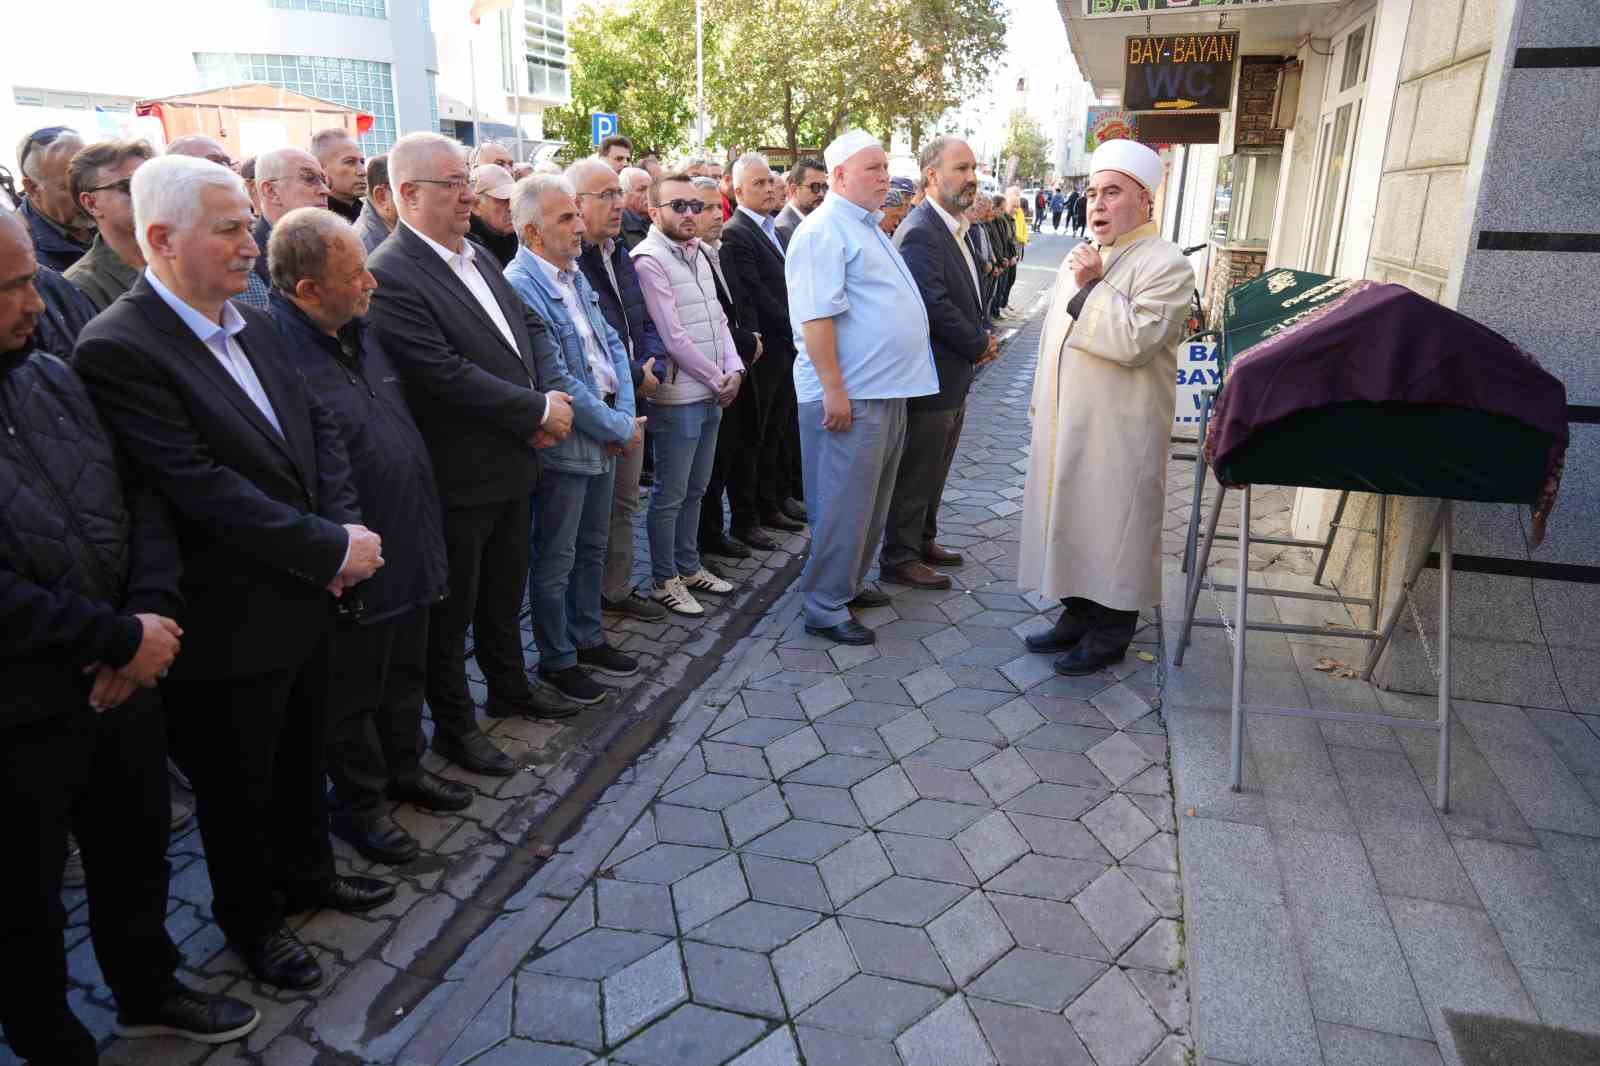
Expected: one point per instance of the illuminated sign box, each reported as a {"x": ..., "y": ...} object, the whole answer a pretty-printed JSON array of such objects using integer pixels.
[
  {"x": 1180, "y": 72},
  {"x": 1113, "y": 8}
]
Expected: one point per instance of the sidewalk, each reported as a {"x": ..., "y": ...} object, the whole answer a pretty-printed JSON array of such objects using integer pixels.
[{"x": 1333, "y": 916}]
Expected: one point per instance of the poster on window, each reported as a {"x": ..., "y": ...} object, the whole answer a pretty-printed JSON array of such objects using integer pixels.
[
  {"x": 1197, "y": 371},
  {"x": 1109, "y": 124}
]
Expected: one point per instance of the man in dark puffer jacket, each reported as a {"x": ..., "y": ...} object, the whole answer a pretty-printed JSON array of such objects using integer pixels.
[{"x": 88, "y": 590}]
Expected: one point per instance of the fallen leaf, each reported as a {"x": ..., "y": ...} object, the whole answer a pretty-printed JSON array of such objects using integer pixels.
[{"x": 1146, "y": 657}]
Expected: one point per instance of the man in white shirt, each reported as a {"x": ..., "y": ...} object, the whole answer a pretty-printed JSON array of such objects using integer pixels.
[{"x": 474, "y": 359}]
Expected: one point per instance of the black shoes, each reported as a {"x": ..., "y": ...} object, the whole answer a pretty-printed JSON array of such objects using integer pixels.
[
  {"x": 1085, "y": 659},
  {"x": 634, "y": 606},
  {"x": 281, "y": 959},
  {"x": 575, "y": 685},
  {"x": 349, "y": 894},
  {"x": 850, "y": 632},
  {"x": 1063, "y": 636},
  {"x": 794, "y": 509},
  {"x": 193, "y": 1015},
  {"x": 779, "y": 520},
  {"x": 755, "y": 539},
  {"x": 375, "y": 836},
  {"x": 724, "y": 546},
  {"x": 431, "y": 793},
  {"x": 474, "y": 752},
  {"x": 870, "y": 597},
  {"x": 538, "y": 703},
  {"x": 604, "y": 659}
]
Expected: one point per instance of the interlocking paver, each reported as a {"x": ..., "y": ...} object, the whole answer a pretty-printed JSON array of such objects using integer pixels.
[
  {"x": 937, "y": 782},
  {"x": 714, "y": 792},
  {"x": 933, "y": 818},
  {"x": 1115, "y": 909},
  {"x": 947, "y": 1037},
  {"x": 1048, "y": 925},
  {"x": 1022, "y": 1036},
  {"x": 1113, "y": 1021},
  {"x": 756, "y": 926},
  {"x": 789, "y": 753},
  {"x": 908, "y": 733},
  {"x": 560, "y": 1010},
  {"x": 1064, "y": 768},
  {"x": 812, "y": 965},
  {"x": 824, "y": 696},
  {"x": 754, "y": 815},
  {"x": 781, "y": 881},
  {"x": 934, "y": 860},
  {"x": 1118, "y": 825},
  {"x": 1118, "y": 757},
  {"x": 905, "y": 900},
  {"x": 710, "y": 892},
  {"x": 1044, "y": 877},
  {"x": 851, "y": 740},
  {"x": 1015, "y": 718},
  {"x": 962, "y": 725},
  {"x": 969, "y": 937},
  {"x": 825, "y": 1048},
  {"x": 715, "y": 1034},
  {"x": 1055, "y": 801},
  {"x": 1004, "y": 775},
  {"x": 736, "y": 759},
  {"x": 801, "y": 840},
  {"x": 596, "y": 954},
  {"x": 927, "y": 684},
  {"x": 1029, "y": 978},
  {"x": 854, "y": 868},
  {"x": 1157, "y": 949},
  {"x": 895, "y": 951},
  {"x": 872, "y": 1006},
  {"x": 737, "y": 980},
  {"x": 883, "y": 793},
  {"x": 839, "y": 770},
  {"x": 633, "y": 905},
  {"x": 642, "y": 992},
  {"x": 990, "y": 844}
]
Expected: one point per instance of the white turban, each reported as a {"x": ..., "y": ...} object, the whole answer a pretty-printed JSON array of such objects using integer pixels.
[
  {"x": 1136, "y": 160},
  {"x": 846, "y": 145}
]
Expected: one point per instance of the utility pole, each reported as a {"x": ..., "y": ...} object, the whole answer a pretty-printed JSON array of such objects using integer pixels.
[{"x": 699, "y": 77}]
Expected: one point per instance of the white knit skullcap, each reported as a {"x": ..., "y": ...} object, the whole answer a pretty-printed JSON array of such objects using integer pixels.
[
  {"x": 1136, "y": 160},
  {"x": 846, "y": 145}
]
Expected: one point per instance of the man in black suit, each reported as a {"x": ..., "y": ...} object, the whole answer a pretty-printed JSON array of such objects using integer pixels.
[
  {"x": 752, "y": 258},
  {"x": 807, "y": 184},
  {"x": 932, "y": 241},
  {"x": 472, "y": 356},
  {"x": 206, "y": 404}
]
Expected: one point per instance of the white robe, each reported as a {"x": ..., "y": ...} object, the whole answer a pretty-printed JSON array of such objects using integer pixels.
[{"x": 1103, "y": 399}]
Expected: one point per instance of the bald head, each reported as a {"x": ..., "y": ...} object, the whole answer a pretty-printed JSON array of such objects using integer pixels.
[
  {"x": 287, "y": 178},
  {"x": 20, "y": 305},
  {"x": 201, "y": 147}
]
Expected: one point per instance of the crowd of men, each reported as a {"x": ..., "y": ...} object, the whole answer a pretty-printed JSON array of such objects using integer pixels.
[{"x": 280, "y": 434}]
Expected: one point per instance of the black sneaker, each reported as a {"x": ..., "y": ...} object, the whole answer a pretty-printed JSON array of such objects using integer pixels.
[
  {"x": 635, "y": 606},
  {"x": 193, "y": 1015},
  {"x": 604, "y": 659},
  {"x": 575, "y": 685}
]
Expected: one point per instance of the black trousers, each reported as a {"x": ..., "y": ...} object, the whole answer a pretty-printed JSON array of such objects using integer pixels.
[
  {"x": 253, "y": 748},
  {"x": 1110, "y": 630},
  {"x": 759, "y": 478},
  {"x": 104, "y": 777},
  {"x": 489, "y": 548},
  {"x": 375, "y": 709},
  {"x": 739, "y": 431},
  {"x": 931, "y": 440}
]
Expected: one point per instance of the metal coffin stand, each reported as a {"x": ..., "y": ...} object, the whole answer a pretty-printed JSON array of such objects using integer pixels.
[{"x": 1440, "y": 532}]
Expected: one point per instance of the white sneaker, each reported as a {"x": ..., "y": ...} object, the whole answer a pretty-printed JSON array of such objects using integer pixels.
[
  {"x": 674, "y": 597},
  {"x": 706, "y": 581}
]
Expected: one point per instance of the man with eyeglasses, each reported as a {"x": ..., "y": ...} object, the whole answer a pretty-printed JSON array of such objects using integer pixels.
[
  {"x": 99, "y": 177},
  {"x": 807, "y": 184},
  {"x": 474, "y": 359},
  {"x": 703, "y": 377},
  {"x": 286, "y": 178},
  {"x": 61, "y": 231}
]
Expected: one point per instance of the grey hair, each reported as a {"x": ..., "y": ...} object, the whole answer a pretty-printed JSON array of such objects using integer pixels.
[
  {"x": 279, "y": 163},
  {"x": 700, "y": 181},
  {"x": 409, "y": 153},
  {"x": 744, "y": 163},
  {"x": 547, "y": 166},
  {"x": 34, "y": 159},
  {"x": 527, "y": 199},
  {"x": 589, "y": 164},
  {"x": 324, "y": 140},
  {"x": 300, "y": 244},
  {"x": 697, "y": 161},
  {"x": 166, "y": 192},
  {"x": 633, "y": 177},
  {"x": 933, "y": 151}
]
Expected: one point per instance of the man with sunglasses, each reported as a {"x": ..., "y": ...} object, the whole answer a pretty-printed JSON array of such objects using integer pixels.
[
  {"x": 100, "y": 177},
  {"x": 61, "y": 231},
  {"x": 807, "y": 183}
]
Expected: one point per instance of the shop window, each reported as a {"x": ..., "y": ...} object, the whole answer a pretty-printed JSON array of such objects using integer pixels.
[
  {"x": 1247, "y": 193},
  {"x": 1338, "y": 131}
]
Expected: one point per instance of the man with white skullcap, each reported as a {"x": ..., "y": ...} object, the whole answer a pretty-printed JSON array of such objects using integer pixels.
[
  {"x": 862, "y": 350},
  {"x": 1103, "y": 398}
]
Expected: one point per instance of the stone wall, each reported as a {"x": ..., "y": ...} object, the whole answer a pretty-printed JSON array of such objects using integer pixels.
[
  {"x": 1258, "y": 80},
  {"x": 1229, "y": 267}
]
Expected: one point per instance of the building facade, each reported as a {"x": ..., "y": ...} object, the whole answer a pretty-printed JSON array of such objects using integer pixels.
[
  {"x": 1448, "y": 146},
  {"x": 497, "y": 77}
]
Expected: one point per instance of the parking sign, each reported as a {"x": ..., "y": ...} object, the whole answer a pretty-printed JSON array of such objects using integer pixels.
[{"x": 601, "y": 126}]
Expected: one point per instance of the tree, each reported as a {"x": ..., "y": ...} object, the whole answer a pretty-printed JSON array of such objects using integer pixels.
[
  {"x": 936, "y": 52},
  {"x": 1027, "y": 147},
  {"x": 630, "y": 62}
]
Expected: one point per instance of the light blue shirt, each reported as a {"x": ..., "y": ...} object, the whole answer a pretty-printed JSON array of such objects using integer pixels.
[
  {"x": 767, "y": 226},
  {"x": 219, "y": 340},
  {"x": 841, "y": 266}
]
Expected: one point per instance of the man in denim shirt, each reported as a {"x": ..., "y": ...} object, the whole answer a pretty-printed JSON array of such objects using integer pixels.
[{"x": 572, "y": 504}]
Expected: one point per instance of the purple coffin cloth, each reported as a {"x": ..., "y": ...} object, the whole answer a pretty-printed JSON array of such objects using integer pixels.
[{"x": 1383, "y": 343}]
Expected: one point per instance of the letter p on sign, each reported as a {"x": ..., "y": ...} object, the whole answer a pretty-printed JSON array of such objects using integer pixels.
[{"x": 601, "y": 126}]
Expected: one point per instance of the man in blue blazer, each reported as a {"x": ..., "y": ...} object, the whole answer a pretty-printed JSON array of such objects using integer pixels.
[
  {"x": 932, "y": 240},
  {"x": 572, "y": 503}
]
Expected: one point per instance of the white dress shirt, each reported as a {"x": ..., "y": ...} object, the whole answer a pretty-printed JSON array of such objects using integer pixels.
[
  {"x": 958, "y": 229},
  {"x": 605, "y": 378},
  {"x": 767, "y": 226},
  {"x": 219, "y": 340},
  {"x": 460, "y": 264}
]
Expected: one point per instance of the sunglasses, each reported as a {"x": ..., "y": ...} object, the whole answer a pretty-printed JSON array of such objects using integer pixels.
[
  {"x": 40, "y": 138},
  {"x": 684, "y": 207},
  {"x": 817, "y": 188},
  {"x": 122, "y": 185}
]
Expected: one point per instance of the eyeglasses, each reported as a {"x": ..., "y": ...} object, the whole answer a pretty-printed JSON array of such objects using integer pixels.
[
  {"x": 122, "y": 185},
  {"x": 817, "y": 188},
  {"x": 455, "y": 184},
  {"x": 684, "y": 207},
  {"x": 41, "y": 138},
  {"x": 608, "y": 195}
]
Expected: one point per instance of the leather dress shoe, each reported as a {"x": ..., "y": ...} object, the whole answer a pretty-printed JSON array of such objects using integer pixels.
[
  {"x": 870, "y": 597},
  {"x": 540, "y": 702},
  {"x": 795, "y": 509},
  {"x": 724, "y": 546},
  {"x": 1085, "y": 659},
  {"x": 779, "y": 520},
  {"x": 431, "y": 793},
  {"x": 194, "y": 1015},
  {"x": 849, "y": 632},
  {"x": 755, "y": 538},
  {"x": 937, "y": 555},
  {"x": 917, "y": 575},
  {"x": 281, "y": 959},
  {"x": 350, "y": 894},
  {"x": 376, "y": 836},
  {"x": 474, "y": 752},
  {"x": 1063, "y": 636}
]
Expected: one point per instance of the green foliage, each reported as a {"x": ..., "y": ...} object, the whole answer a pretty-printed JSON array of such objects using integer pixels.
[{"x": 1028, "y": 146}]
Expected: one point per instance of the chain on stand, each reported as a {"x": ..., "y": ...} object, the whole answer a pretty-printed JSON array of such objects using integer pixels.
[
  {"x": 1422, "y": 633},
  {"x": 1227, "y": 623}
]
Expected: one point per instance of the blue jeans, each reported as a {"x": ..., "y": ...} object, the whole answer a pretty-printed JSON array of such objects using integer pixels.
[
  {"x": 571, "y": 527},
  {"x": 685, "y": 441}
]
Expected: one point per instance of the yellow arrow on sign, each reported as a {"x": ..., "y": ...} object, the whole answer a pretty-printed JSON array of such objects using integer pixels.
[{"x": 1175, "y": 105}]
